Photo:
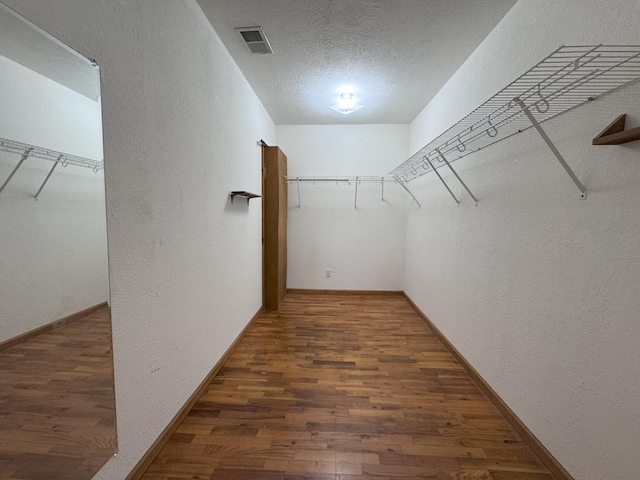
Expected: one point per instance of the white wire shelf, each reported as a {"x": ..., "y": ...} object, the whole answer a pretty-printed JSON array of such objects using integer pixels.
[
  {"x": 34, "y": 151},
  {"x": 569, "y": 77},
  {"x": 344, "y": 179},
  {"x": 348, "y": 180},
  {"x": 26, "y": 151}
]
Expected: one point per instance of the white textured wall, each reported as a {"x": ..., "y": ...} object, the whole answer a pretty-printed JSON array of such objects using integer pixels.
[
  {"x": 53, "y": 252},
  {"x": 539, "y": 290},
  {"x": 180, "y": 131},
  {"x": 39, "y": 111},
  {"x": 363, "y": 246}
]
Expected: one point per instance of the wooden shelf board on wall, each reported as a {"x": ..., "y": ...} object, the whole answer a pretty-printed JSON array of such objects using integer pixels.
[
  {"x": 242, "y": 193},
  {"x": 615, "y": 134}
]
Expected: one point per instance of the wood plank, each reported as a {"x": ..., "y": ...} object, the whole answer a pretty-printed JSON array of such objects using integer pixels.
[
  {"x": 350, "y": 386},
  {"x": 147, "y": 459},
  {"x": 57, "y": 407},
  {"x": 36, "y": 332},
  {"x": 343, "y": 292},
  {"x": 538, "y": 449},
  {"x": 615, "y": 134}
]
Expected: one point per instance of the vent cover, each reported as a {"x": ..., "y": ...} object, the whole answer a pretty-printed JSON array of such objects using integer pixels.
[{"x": 255, "y": 40}]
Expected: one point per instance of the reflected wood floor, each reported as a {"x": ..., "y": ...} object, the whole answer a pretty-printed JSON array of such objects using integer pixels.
[
  {"x": 57, "y": 413},
  {"x": 343, "y": 387}
]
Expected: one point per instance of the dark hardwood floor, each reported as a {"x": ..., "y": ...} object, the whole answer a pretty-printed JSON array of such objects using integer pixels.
[
  {"x": 343, "y": 387},
  {"x": 57, "y": 410}
]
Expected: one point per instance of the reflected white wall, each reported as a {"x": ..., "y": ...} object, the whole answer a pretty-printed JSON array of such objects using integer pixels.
[{"x": 42, "y": 112}]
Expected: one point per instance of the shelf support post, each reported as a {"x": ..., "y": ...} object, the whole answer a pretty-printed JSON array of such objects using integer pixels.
[
  {"x": 55, "y": 164},
  {"x": 25, "y": 155},
  {"x": 355, "y": 200},
  {"x": 441, "y": 179},
  {"x": 408, "y": 191},
  {"x": 545, "y": 137},
  {"x": 298, "y": 185},
  {"x": 457, "y": 176}
]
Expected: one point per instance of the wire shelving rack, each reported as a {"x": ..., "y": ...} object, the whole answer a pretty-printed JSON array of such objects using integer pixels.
[
  {"x": 569, "y": 77},
  {"x": 58, "y": 158}
]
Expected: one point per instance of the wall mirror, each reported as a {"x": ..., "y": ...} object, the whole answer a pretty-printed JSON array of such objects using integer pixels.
[{"x": 57, "y": 404}]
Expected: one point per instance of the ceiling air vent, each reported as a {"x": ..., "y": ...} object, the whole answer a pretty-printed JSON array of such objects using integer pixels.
[{"x": 255, "y": 40}]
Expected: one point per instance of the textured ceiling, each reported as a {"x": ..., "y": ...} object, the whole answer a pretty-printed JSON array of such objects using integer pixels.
[{"x": 395, "y": 54}]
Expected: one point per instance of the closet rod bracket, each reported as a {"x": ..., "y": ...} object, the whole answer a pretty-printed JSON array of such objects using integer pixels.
[
  {"x": 457, "y": 176},
  {"x": 556, "y": 152},
  {"x": 25, "y": 155},
  {"x": 442, "y": 180},
  {"x": 55, "y": 164},
  {"x": 401, "y": 183}
]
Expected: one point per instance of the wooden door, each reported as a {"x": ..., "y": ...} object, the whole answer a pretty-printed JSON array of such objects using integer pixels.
[{"x": 274, "y": 196}]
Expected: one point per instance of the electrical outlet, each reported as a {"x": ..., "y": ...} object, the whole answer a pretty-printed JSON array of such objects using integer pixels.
[{"x": 327, "y": 273}]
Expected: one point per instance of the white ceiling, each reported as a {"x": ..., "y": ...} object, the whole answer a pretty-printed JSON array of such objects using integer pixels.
[
  {"x": 395, "y": 54},
  {"x": 32, "y": 48}
]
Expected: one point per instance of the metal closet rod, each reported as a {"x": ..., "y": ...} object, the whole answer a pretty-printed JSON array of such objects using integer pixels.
[
  {"x": 356, "y": 180},
  {"x": 568, "y": 78},
  {"x": 26, "y": 151},
  {"x": 338, "y": 179},
  {"x": 13, "y": 146}
]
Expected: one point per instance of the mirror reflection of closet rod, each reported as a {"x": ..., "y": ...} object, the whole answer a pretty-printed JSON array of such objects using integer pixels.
[{"x": 25, "y": 151}]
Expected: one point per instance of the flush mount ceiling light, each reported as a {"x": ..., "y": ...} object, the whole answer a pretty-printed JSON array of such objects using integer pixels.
[{"x": 347, "y": 104}]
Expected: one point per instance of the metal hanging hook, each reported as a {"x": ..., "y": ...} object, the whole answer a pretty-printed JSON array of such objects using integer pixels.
[
  {"x": 491, "y": 129},
  {"x": 544, "y": 102},
  {"x": 461, "y": 146}
]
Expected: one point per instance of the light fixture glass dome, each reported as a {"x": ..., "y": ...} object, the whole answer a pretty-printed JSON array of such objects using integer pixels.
[{"x": 347, "y": 104}]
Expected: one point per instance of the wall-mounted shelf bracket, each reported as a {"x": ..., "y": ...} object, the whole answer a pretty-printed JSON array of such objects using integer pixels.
[
  {"x": 25, "y": 155},
  {"x": 401, "y": 183},
  {"x": 242, "y": 193},
  {"x": 357, "y": 181},
  {"x": 442, "y": 180},
  {"x": 55, "y": 164},
  {"x": 355, "y": 200},
  {"x": 615, "y": 134},
  {"x": 457, "y": 176},
  {"x": 556, "y": 152}
]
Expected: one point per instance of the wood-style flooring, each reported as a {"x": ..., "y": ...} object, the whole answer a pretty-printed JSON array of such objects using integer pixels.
[
  {"x": 57, "y": 410},
  {"x": 343, "y": 387}
]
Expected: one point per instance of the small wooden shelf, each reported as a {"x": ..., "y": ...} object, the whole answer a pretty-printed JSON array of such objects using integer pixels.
[
  {"x": 615, "y": 134},
  {"x": 242, "y": 193}
]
